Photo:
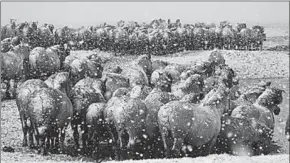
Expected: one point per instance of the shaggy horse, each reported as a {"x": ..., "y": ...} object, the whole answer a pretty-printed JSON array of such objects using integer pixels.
[
  {"x": 14, "y": 66},
  {"x": 22, "y": 93},
  {"x": 264, "y": 108},
  {"x": 262, "y": 111},
  {"x": 248, "y": 97},
  {"x": 196, "y": 125},
  {"x": 125, "y": 118}
]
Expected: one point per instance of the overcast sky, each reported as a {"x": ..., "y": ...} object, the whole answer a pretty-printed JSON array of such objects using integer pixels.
[{"x": 90, "y": 13}]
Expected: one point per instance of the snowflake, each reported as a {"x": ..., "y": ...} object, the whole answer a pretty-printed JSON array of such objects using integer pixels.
[{"x": 230, "y": 134}]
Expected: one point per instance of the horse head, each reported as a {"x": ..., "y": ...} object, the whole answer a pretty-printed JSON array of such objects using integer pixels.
[
  {"x": 13, "y": 23},
  {"x": 34, "y": 25},
  {"x": 51, "y": 27},
  {"x": 270, "y": 99},
  {"x": 21, "y": 26},
  {"x": 27, "y": 30}
]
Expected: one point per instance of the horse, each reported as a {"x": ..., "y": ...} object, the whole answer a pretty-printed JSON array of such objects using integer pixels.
[
  {"x": 263, "y": 111},
  {"x": 14, "y": 66},
  {"x": 195, "y": 125}
]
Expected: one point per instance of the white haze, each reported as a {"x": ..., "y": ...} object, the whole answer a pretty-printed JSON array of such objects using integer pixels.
[{"x": 91, "y": 13}]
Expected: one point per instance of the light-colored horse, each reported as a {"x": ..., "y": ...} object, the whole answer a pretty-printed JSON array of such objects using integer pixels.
[
  {"x": 9, "y": 30},
  {"x": 248, "y": 97},
  {"x": 14, "y": 65},
  {"x": 196, "y": 125},
  {"x": 263, "y": 109}
]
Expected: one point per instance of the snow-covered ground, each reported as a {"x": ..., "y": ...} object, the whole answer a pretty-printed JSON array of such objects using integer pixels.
[{"x": 224, "y": 158}]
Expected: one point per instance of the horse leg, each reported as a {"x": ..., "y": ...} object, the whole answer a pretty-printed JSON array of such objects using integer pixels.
[
  {"x": 43, "y": 146},
  {"x": 123, "y": 150},
  {"x": 157, "y": 146},
  {"x": 34, "y": 133},
  {"x": 84, "y": 128},
  {"x": 48, "y": 142},
  {"x": 7, "y": 92},
  {"x": 177, "y": 144},
  {"x": 115, "y": 144},
  {"x": 164, "y": 137},
  {"x": 52, "y": 144},
  {"x": 62, "y": 137},
  {"x": 91, "y": 141},
  {"x": 31, "y": 135},
  {"x": 209, "y": 146},
  {"x": 55, "y": 141},
  {"x": 13, "y": 90},
  {"x": 75, "y": 134},
  {"x": 24, "y": 129}
]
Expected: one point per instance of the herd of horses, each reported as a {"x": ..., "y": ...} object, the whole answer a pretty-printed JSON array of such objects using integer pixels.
[
  {"x": 148, "y": 109},
  {"x": 158, "y": 37}
]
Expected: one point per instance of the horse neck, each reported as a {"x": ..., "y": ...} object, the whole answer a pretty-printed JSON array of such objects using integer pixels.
[{"x": 262, "y": 106}]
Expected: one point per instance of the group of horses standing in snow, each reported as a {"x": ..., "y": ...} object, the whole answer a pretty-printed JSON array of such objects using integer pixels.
[
  {"x": 158, "y": 37},
  {"x": 148, "y": 109}
]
